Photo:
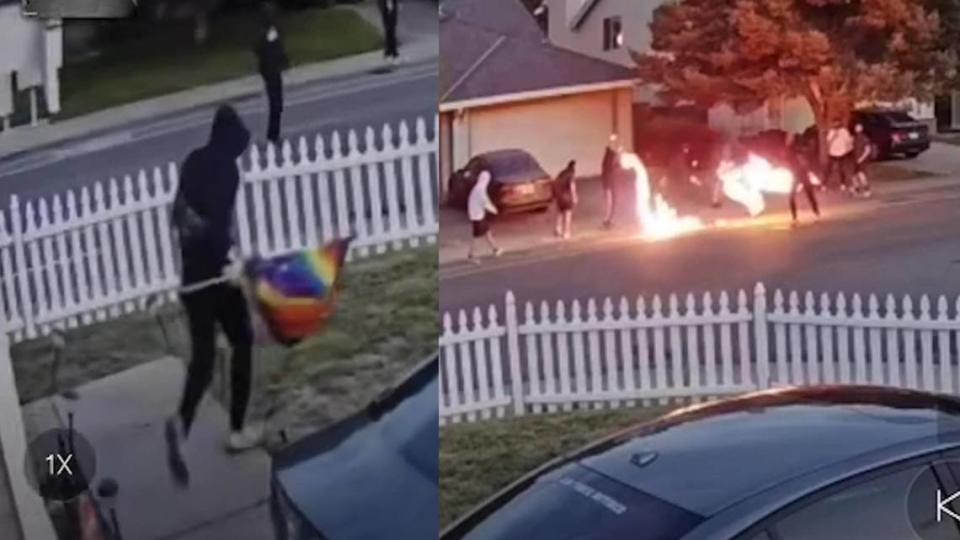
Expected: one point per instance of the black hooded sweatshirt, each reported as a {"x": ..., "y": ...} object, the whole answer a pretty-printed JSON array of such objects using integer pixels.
[{"x": 206, "y": 197}]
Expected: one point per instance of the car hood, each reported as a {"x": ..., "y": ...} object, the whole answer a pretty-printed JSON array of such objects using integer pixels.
[{"x": 373, "y": 475}]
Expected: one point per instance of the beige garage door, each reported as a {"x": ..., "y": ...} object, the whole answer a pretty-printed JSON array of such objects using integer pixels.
[{"x": 553, "y": 130}]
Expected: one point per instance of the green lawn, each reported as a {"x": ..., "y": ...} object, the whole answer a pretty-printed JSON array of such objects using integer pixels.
[
  {"x": 385, "y": 324},
  {"x": 165, "y": 60},
  {"x": 479, "y": 459}
]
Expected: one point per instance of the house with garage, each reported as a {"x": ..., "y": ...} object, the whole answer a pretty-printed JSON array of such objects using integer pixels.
[
  {"x": 504, "y": 85},
  {"x": 609, "y": 29}
]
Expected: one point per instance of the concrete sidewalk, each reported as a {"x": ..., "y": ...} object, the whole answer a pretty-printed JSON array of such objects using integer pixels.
[
  {"x": 532, "y": 232},
  {"x": 418, "y": 45},
  {"x": 123, "y": 416}
]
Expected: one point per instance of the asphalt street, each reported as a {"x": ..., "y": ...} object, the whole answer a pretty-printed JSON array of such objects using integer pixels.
[
  {"x": 905, "y": 244},
  {"x": 356, "y": 102}
]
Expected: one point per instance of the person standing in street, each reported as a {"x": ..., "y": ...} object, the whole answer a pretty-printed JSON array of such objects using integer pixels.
[
  {"x": 272, "y": 60},
  {"x": 609, "y": 171},
  {"x": 565, "y": 194},
  {"x": 797, "y": 160},
  {"x": 479, "y": 208},
  {"x": 388, "y": 14},
  {"x": 839, "y": 151},
  {"x": 862, "y": 154},
  {"x": 202, "y": 215}
]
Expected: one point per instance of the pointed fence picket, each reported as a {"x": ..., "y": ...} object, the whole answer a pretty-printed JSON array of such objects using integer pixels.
[
  {"x": 544, "y": 358},
  {"x": 79, "y": 257}
]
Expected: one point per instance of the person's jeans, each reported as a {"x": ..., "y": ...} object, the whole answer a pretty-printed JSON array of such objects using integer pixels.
[
  {"x": 838, "y": 165},
  {"x": 274, "y": 84},
  {"x": 224, "y": 305}
]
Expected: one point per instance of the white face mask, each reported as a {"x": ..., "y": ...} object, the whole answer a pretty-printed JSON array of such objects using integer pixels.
[{"x": 272, "y": 34}]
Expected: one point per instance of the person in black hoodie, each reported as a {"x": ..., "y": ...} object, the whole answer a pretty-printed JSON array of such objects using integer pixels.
[
  {"x": 798, "y": 159},
  {"x": 273, "y": 61},
  {"x": 388, "y": 13},
  {"x": 203, "y": 217}
]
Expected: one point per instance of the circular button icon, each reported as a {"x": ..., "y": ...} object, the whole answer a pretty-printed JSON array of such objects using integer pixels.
[{"x": 60, "y": 464}]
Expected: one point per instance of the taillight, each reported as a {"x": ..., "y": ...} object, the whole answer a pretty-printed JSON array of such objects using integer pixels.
[{"x": 896, "y": 137}]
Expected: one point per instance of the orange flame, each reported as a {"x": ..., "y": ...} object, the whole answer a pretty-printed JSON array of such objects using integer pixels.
[
  {"x": 746, "y": 183},
  {"x": 658, "y": 219}
]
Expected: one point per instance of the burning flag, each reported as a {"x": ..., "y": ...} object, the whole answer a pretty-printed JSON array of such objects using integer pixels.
[
  {"x": 747, "y": 183},
  {"x": 657, "y": 217},
  {"x": 296, "y": 294}
]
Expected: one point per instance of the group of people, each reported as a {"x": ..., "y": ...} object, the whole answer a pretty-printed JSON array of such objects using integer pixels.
[
  {"x": 848, "y": 155},
  {"x": 480, "y": 208}
]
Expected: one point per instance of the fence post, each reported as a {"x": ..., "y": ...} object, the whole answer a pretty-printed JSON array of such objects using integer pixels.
[
  {"x": 760, "y": 335},
  {"x": 513, "y": 354},
  {"x": 20, "y": 255},
  {"x": 34, "y": 522}
]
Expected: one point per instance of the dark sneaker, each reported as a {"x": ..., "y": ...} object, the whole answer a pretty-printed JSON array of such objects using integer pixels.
[{"x": 173, "y": 433}]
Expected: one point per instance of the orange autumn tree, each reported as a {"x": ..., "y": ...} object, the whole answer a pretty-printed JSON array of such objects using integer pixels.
[{"x": 833, "y": 53}]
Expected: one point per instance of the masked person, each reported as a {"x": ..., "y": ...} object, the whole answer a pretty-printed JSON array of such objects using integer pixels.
[
  {"x": 479, "y": 208},
  {"x": 203, "y": 216},
  {"x": 273, "y": 61},
  {"x": 797, "y": 160},
  {"x": 565, "y": 195},
  {"x": 862, "y": 154},
  {"x": 609, "y": 169}
]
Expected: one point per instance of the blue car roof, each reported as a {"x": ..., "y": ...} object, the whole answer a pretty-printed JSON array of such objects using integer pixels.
[{"x": 706, "y": 458}]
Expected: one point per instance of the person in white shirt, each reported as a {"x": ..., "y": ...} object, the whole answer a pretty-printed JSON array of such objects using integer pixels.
[
  {"x": 479, "y": 206},
  {"x": 839, "y": 152}
]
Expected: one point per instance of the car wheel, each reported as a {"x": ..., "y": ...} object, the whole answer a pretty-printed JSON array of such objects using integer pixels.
[{"x": 911, "y": 155}]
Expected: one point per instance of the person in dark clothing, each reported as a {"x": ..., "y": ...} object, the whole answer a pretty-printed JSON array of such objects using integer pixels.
[
  {"x": 609, "y": 169},
  {"x": 272, "y": 62},
  {"x": 202, "y": 215},
  {"x": 797, "y": 158},
  {"x": 388, "y": 13},
  {"x": 862, "y": 154},
  {"x": 565, "y": 194}
]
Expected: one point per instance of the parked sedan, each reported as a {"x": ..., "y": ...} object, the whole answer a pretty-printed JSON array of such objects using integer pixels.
[
  {"x": 519, "y": 183},
  {"x": 894, "y": 132},
  {"x": 373, "y": 475},
  {"x": 817, "y": 463}
]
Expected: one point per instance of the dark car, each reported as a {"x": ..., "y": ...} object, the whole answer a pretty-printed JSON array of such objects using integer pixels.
[
  {"x": 894, "y": 132},
  {"x": 373, "y": 475},
  {"x": 518, "y": 182},
  {"x": 817, "y": 463}
]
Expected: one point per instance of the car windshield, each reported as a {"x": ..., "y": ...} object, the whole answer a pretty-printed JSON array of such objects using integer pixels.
[
  {"x": 513, "y": 167},
  {"x": 898, "y": 117},
  {"x": 576, "y": 503}
]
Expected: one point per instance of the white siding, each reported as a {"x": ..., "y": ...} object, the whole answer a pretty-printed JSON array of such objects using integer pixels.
[{"x": 588, "y": 38}]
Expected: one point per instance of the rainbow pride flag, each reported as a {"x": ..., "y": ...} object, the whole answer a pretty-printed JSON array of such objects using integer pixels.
[{"x": 296, "y": 294}]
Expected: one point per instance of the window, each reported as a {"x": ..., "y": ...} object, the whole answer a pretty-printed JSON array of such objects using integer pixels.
[
  {"x": 878, "y": 508},
  {"x": 612, "y": 33}
]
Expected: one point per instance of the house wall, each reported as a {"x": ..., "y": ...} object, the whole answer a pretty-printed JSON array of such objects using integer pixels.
[
  {"x": 635, "y": 16},
  {"x": 33, "y": 50},
  {"x": 553, "y": 130}
]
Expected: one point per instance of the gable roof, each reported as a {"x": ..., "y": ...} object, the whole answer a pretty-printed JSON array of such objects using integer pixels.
[
  {"x": 494, "y": 49},
  {"x": 581, "y": 15}
]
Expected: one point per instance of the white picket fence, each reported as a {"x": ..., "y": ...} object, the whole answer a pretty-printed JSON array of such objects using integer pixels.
[
  {"x": 74, "y": 258},
  {"x": 607, "y": 354}
]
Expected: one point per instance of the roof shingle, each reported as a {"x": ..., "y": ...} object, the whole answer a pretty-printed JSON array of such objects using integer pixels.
[{"x": 494, "y": 48}]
